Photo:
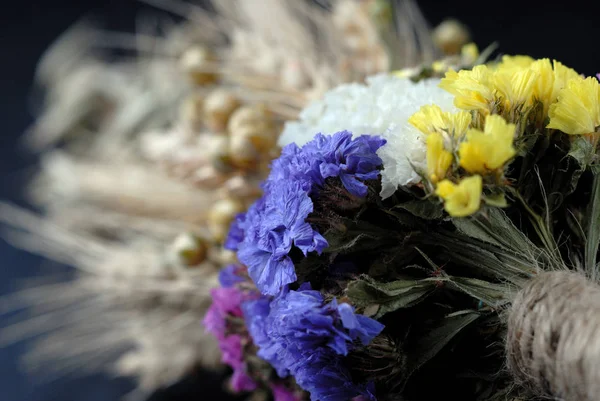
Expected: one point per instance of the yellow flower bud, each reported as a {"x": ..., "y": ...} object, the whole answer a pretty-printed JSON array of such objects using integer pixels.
[
  {"x": 463, "y": 199},
  {"x": 469, "y": 53}
]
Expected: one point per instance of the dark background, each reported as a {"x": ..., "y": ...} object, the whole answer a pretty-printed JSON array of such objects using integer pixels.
[{"x": 566, "y": 31}]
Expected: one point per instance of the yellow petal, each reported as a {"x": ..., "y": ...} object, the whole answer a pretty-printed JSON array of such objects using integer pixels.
[
  {"x": 490, "y": 149},
  {"x": 577, "y": 109},
  {"x": 473, "y": 89},
  {"x": 459, "y": 122},
  {"x": 516, "y": 86},
  {"x": 431, "y": 118},
  {"x": 445, "y": 189},
  {"x": 439, "y": 159},
  {"x": 515, "y": 63},
  {"x": 544, "y": 84},
  {"x": 562, "y": 75},
  {"x": 428, "y": 119},
  {"x": 463, "y": 199}
]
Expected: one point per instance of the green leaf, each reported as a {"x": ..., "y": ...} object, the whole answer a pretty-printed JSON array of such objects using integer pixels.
[
  {"x": 583, "y": 151},
  {"x": 366, "y": 293},
  {"x": 488, "y": 259},
  {"x": 425, "y": 209},
  {"x": 494, "y": 227},
  {"x": 491, "y": 294},
  {"x": 438, "y": 337},
  {"x": 497, "y": 200},
  {"x": 404, "y": 218},
  {"x": 357, "y": 236},
  {"x": 474, "y": 227}
]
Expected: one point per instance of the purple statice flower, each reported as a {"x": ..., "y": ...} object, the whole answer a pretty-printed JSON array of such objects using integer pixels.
[
  {"x": 336, "y": 155},
  {"x": 299, "y": 334},
  {"x": 325, "y": 377},
  {"x": 236, "y": 232},
  {"x": 274, "y": 224},
  {"x": 293, "y": 164},
  {"x": 352, "y": 160},
  {"x": 277, "y": 221},
  {"x": 228, "y": 276}
]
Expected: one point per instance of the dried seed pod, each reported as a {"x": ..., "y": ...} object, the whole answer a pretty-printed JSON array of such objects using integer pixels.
[
  {"x": 224, "y": 257},
  {"x": 243, "y": 154},
  {"x": 195, "y": 62},
  {"x": 218, "y": 107},
  {"x": 450, "y": 36},
  {"x": 256, "y": 124},
  {"x": 208, "y": 176},
  {"x": 217, "y": 152},
  {"x": 256, "y": 114},
  {"x": 221, "y": 215},
  {"x": 189, "y": 249}
]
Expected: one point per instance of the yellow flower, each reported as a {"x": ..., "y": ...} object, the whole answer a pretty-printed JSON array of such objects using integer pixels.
[
  {"x": 438, "y": 158},
  {"x": 463, "y": 199},
  {"x": 439, "y": 66},
  {"x": 469, "y": 53},
  {"x": 459, "y": 122},
  {"x": 428, "y": 119},
  {"x": 489, "y": 149},
  {"x": 577, "y": 110},
  {"x": 516, "y": 86},
  {"x": 431, "y": 118},
  {"x": 562, "y": 75},
  {"x": 515, "y": 63},
  {"x": 472, "y": 89},
  {"x": 544, "y": 84}
]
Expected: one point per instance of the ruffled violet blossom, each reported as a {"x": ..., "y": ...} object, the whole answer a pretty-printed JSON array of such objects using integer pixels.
[
  {"x": 302, "y": 336},
  {"x": 277, "y": 221}
]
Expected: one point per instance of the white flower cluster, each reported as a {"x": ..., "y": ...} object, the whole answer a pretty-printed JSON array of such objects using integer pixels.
[{"x": 381, "y": 107}]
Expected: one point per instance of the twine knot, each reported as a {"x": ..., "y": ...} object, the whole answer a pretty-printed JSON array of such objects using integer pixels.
[{"x": 553, "y": 341}]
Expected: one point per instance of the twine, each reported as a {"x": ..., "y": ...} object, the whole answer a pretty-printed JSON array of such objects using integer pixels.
[{"x": 553, "y": 344}]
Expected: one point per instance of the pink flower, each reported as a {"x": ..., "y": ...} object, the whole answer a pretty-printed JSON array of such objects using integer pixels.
[
  {"x": 231, "y": 349},
  {"x": 240, "y": 381},
  {"x": 282, "y": 393}
]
